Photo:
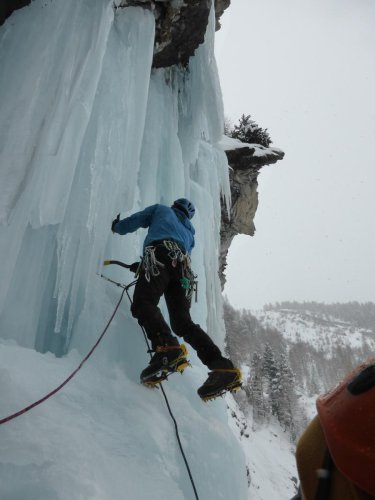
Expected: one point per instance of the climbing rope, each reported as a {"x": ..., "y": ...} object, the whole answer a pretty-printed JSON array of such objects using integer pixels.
[
  {"x": 171, "y": 414},
  {"x": 125, "y": 288},
  {"x": 47, "y": 396}
]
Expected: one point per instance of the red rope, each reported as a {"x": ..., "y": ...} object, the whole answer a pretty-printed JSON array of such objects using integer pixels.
[{"x": 47, "y": 396}]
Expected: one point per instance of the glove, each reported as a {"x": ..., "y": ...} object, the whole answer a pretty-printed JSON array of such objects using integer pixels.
[
  {"x": 134, "y": 267},
  {"x": 114, "y": 222}
]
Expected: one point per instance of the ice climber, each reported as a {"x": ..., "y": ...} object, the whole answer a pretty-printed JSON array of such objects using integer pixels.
[{"x": 165, "y": 270}]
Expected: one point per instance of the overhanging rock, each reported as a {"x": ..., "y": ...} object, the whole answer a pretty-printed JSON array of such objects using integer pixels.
[
  {"x": 245, "y": 162},
  {"x": 179, "y": 30},
  {"x": 9, "y": 6},
  {"x": 180, "y": 27}
]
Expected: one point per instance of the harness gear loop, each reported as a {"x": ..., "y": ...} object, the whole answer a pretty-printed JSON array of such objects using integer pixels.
[
  {"x": 188, "y": 279},
  {"x": 150, "y": 263}
]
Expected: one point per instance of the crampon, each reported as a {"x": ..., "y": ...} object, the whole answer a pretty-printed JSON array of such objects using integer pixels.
[
  {"x": 220, "y": 382},
  {"x": 162, "y": 373}
]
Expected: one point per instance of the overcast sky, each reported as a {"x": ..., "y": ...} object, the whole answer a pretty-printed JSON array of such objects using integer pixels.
[{"x": 305, "y": 70}]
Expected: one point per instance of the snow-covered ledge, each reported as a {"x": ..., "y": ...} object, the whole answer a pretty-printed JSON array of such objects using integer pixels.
[
  {"x": 245, "y": 161},
  {"x": 242, "y": 156}
]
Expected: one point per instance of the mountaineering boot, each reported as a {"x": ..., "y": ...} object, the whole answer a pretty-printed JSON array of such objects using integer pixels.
[
  {"x": 220, "y": 380},
  {"x": 167, "y": 359}
]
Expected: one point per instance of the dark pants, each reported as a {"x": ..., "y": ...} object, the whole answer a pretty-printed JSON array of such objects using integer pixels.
[{"x": 145, "y": 309}]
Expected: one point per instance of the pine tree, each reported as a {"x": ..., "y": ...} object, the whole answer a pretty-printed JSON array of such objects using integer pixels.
[
  {"x": 249, "y": 131},
  {"x": 288, "y": 400},
  {"x": 255, "y": 390},
  {"x": 271, "y": 375}
]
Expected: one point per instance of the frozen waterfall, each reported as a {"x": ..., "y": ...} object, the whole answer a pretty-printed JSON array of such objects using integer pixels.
[{"x": 89, "y": 130}]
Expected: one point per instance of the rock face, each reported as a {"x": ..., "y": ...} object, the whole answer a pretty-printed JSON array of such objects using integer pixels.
[
  {"x": 8, "y": 6},
  {"x": 179, "y": 30},
  {"x": 180, "y": 27},
  {"x": 245, "y": 162},
  {"x": 220, "y": 6}
]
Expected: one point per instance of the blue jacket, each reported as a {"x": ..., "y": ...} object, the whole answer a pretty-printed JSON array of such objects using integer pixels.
[{"x": 164, "y": 223}]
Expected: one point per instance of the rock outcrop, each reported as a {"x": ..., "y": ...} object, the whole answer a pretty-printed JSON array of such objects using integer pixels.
[
  {"x": 220, "y": 6},
  {"x": 180, "y": 27},
  {"x": 245, "y": 162},
  {"x": 179, "y": 30},
  {"x": 9, "y": 6}
]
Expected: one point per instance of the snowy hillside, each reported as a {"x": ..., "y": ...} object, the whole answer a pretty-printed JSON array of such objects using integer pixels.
[
  {"x": 319, "y": 343},
  {"x": 270, "y": 462},
  {"x": 322, "y": 347},
  {"x": 291, "y": 353},
  {"x": 321, "y": 331},
  {"x": 88, "y": 130}
]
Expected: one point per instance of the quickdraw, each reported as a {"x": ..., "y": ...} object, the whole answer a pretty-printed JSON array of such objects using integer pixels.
[
  {"x": 150, "y": 263},
  {"x": 175, "y": 253},
  {"x": 190, "y": 283}
]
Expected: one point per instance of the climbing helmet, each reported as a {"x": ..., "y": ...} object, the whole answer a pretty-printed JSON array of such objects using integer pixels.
[
  {"x": 185, "y": 206},
  {"x": 347, "y": 416}
]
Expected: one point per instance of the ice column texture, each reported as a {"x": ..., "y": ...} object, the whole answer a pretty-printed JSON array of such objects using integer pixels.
[{"x": 89, "y": 130}]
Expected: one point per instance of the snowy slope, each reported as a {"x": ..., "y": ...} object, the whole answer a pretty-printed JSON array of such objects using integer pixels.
[
  {"x": 270, "y": 462},
  {"x": 320, "y": 331},
  {"x": 319, "y": 349},
  {"x": 87, "y": 131},
  {"x": 104, "y": 436}
]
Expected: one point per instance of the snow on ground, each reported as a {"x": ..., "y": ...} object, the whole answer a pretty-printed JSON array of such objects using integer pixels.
[
  {"x": 104, "y": 436},
  {"x": 229, "y": 144},
  {"x": 322, "y": 333},
  {"x": 269, "y": 456}
]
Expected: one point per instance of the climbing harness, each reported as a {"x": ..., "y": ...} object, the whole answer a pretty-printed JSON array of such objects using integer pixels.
[
  {"x": 151, "y": 266},
  {"x": 188, "y": 280}
]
